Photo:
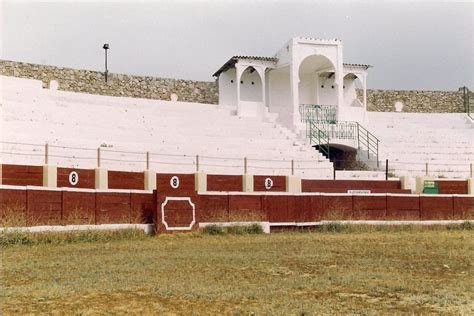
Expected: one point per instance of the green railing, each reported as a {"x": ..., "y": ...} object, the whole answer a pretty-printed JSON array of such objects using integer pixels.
[
  {"x": 369, "y": 141},
  {"x": 339, "y": 130},
  {"x": 322, "y": 126},
  {"x": 318, "y": 113},
  {"x": 318, "y": 137},
  {"x": 468, "y": 102},
  {"x": 321, "y": 134}
]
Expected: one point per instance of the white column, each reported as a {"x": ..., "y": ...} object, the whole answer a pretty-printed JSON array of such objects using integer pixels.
[
  {"x": 238, "y": 73},
  {"x": 365, "y": 92},
  {"x": 340, "y": 94},
  {"x": 317, "y": 88},
  {"x": 339, "y": 80},
  {"x": 294, "y": 81},
  {"x": 261, "y": 73}
]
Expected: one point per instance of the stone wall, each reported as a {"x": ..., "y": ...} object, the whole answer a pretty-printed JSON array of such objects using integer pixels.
[
  {"x": 117, "y": 84},
  {"x": 414, "y": 101},
  {"x": 207, "y": 92}
]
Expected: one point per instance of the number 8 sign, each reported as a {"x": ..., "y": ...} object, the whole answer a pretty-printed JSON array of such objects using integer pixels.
[
  {"x": 73, "y": 178},
  {"x": 174, "y": 182},
  {"x": 268, "y": 183}
]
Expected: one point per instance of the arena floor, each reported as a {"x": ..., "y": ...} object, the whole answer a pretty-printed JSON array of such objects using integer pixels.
[{"x": 415, "y": 270}]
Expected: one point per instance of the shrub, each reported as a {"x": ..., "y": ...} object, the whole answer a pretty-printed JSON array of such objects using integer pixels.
[
  {"x": 233, "y": 230},
  {"x": 467, "y": 225},
  {"x": 245, "y": 229},
  {"x": 334, "y": 227},
  {"x": 213, "y": 230}
]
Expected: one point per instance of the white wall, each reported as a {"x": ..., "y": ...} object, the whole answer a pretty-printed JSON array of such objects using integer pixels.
[
  {"x": 307, "y": 89},
  {"x": 228, "y": 89},
  {"x": 350, "y": 93},
  {"x": 251, "y": 86},
  {"x": 327, "y": 94},
  {"x": 280, "y": 96}
]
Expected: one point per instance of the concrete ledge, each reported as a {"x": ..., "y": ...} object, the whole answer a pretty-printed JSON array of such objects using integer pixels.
[
  {"x": 388, "y": 223},
  {"x": 147, "y": 228}
]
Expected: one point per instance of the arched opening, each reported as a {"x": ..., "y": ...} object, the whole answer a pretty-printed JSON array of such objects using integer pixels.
[
  {"x": 344, "y": 157},
  {"x": 317, "y": 81},
  {"x": 353, "y": 90},
  {"x": 251, "y": 85}
]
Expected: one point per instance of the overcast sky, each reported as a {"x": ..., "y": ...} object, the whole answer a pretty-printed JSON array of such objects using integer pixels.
[{"x": 411, "y": 44}]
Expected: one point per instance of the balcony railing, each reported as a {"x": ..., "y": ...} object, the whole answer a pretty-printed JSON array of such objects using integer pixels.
[{"x": 318, "y": 113}]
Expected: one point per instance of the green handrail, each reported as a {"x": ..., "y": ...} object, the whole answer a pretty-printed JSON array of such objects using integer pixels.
[
  {"x": 318, "y": 113},
  {"x": 318, "y": 137},
  {"x": 369, "y": 141},
  {"x": 468, "y": 102}
]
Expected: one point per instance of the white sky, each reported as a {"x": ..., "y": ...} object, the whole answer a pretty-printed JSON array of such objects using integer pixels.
[{"x": 411, "y": 44}]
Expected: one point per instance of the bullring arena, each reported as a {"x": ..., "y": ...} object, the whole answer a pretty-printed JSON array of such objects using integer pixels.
[
  {"x": 126, "y": 194},
  {"x": 270, "y": 151}
]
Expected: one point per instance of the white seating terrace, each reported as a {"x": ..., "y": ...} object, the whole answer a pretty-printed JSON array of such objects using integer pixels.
[{"x": 168, "y": 130}]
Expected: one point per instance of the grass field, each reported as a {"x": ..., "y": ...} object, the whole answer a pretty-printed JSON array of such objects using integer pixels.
[{"x": 415, "y": 271}]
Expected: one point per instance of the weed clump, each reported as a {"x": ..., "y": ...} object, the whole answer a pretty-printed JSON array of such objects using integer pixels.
[
  {"x": 13, "y": 237},
  {"x": 467, "y": 225},
  {"x": 213, "y": 230},
  {"x": 252, "y": 229}
]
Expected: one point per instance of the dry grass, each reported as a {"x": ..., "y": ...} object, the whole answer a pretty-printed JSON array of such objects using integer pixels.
[{"x": 415, "y": 271}]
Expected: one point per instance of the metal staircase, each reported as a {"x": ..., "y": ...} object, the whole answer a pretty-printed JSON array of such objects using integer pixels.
[{"x": 322, "y": 127}]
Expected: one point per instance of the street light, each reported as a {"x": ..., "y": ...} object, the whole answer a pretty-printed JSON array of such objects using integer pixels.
[{"x": 106, "y": 47}]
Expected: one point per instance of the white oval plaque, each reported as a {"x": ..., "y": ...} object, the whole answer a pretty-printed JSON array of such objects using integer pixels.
[
  {"x": 268, "y": 183},
  {"x": 73, "y": 178},
  {"x": 174, "y": 182}
]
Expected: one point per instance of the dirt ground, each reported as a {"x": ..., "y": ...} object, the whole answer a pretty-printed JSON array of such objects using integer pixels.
[{"x": 419, "y": 271}]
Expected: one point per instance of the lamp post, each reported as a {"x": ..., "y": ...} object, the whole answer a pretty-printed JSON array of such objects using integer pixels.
[{"x": 106, "y": 47}]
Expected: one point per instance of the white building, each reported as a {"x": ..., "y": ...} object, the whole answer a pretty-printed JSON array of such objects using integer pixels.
[{"x": 305, "y": 73}]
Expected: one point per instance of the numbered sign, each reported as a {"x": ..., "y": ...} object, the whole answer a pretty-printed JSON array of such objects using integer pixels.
[
  {"x": 268, "y": 183},
  {"x": 73, "y": 178},
  {"x": 174, "y": 182}
]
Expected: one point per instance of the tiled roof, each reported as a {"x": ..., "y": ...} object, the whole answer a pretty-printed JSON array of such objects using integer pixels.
[
  {"x": 274, "y": 59},
  {"x": 231, "y": 62},
  {"x": 358, "y": 66}
]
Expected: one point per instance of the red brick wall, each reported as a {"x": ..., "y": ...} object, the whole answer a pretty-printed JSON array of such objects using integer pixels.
[
  {"x": 57, "y": 207},
  {"x": 113, "y": 208},
  {"x": 126, "y": 180},
  {"x": 463, "y": 207},
  {"x": 78, "y": 207},
  {"x": 186, "y": 184},
  {"x": 279, "y": 183},
  {"x": 142, "y": 207},
  {"x": 13, "y": 204},
  {"x": 224, "y": 183},
  {"x": 86, "y": 178},
  {"x": 341, "y": 186},
  {"x": 403, "y": 207},
  {"x": 436, "y": 207},
  {"x": 44, "y": 207},
  {"x": 452, "y": 187},
  {"x": 22, "y": 175},
  {"x": 369, "y": 207}
]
